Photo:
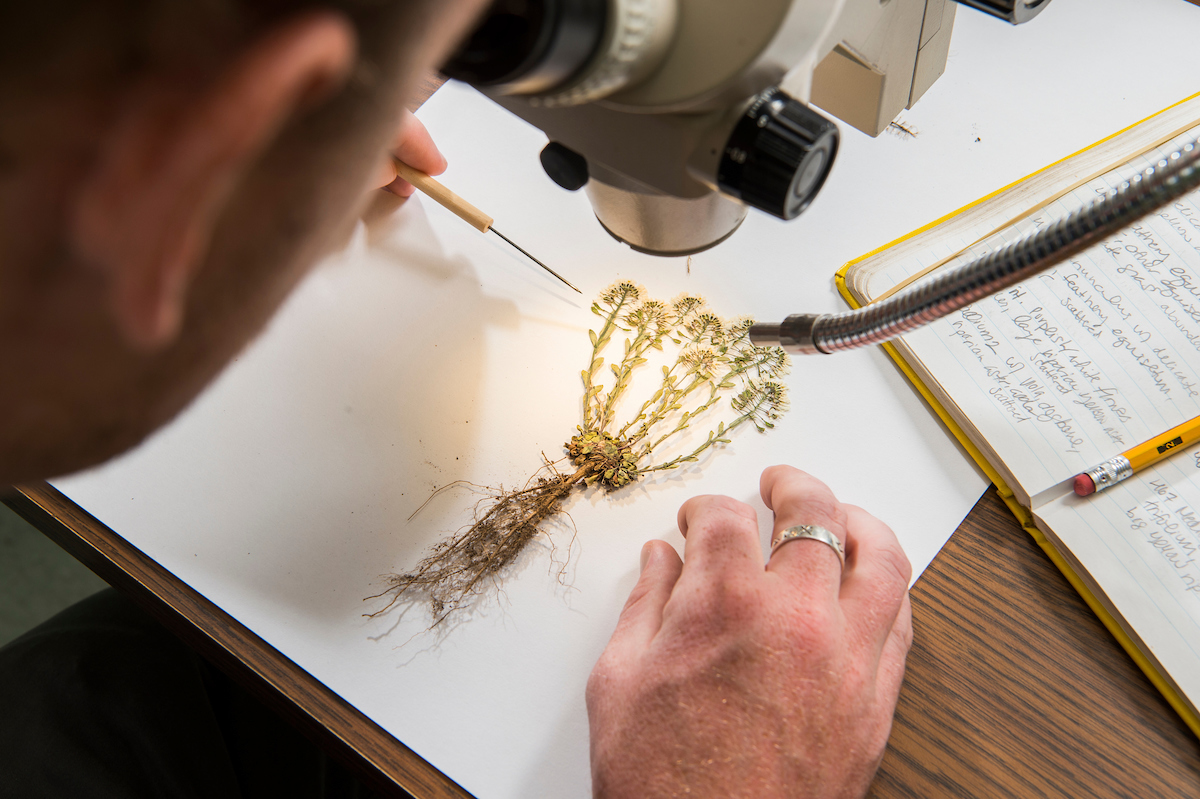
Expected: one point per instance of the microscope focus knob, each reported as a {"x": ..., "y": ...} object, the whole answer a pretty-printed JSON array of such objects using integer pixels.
[
  {"x": 1014, "y": 11},
  {"x": 778, "y": 156}
]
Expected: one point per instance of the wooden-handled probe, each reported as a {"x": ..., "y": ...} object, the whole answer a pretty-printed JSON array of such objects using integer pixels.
[{"x": 462, "y": 209}]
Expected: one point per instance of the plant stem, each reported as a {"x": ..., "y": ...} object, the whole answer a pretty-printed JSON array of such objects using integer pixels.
[
  {"x": 599, "y": 342},
  {"x": 671, "y": 400},
  {"x": 695, "y": 454},
  {"x": 634, "y": 352}
]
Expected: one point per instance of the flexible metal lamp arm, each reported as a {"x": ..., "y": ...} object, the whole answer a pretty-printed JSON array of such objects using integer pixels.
[{"x": 932, "y": 299}]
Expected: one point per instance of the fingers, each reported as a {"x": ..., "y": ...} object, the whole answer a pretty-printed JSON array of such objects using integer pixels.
[
  {"x": 799, "y": 498},
  {"x": 721, "y": 537},
  {"x": 874, "y": 589},
  {"x": 414, "y": 146},
  {"x": 641, "y": 618},
  {"x": 895, "y": 650}
]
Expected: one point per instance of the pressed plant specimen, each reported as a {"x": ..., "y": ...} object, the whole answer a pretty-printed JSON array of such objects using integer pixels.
[{"x": 714, "y": 361}]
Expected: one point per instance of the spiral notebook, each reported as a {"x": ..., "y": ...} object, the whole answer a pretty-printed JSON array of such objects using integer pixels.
[{"x": 1072, "y": 367}]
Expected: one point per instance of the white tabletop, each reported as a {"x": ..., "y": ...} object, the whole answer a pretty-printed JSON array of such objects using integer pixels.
[{"x": 426, "y": 353}]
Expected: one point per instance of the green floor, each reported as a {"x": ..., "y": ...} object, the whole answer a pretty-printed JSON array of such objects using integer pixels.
[{"x": 37, "y": 579}]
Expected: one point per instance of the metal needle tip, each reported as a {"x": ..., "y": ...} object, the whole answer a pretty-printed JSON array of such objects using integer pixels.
[{"x": 530, "y": 257}]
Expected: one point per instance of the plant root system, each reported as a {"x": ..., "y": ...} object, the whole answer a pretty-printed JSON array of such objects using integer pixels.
[{"x": 462, "y": 567}]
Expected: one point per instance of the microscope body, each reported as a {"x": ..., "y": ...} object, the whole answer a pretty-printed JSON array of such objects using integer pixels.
[{"x": 676, "y": 115}]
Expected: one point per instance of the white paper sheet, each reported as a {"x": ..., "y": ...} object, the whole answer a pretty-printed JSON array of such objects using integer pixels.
[{"x": 428, "y": 353}]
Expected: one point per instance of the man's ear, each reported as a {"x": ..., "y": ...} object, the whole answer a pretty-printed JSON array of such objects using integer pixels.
[{"x": 144, "y": 213}]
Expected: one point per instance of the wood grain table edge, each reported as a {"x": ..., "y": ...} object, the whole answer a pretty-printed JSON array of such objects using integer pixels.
[{"x": 382, "y": 761}]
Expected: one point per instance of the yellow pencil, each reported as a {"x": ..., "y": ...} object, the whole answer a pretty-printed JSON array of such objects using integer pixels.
[{"x": 1114, "y": 470}]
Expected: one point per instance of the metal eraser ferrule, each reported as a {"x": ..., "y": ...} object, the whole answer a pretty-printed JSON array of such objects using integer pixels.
[
  {"x": 795, "y": 334},
  {"x": 1110, "y": 472}
]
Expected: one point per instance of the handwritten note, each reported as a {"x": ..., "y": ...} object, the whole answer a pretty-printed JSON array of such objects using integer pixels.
[
  {"x": 1171, "y": 526},
  {"x": 1076, "y": 365},
  {"x": 1138, "y": 544},
  {"x": 1088, "y": 359}
]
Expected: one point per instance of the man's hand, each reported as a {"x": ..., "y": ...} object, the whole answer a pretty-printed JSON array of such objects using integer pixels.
[
  {"x": 727, "y": 679},
  {"x": 414, "y": 147}
]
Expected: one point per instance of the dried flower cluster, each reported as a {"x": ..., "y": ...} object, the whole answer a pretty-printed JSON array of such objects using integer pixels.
[{"x": 714, "y": 358}]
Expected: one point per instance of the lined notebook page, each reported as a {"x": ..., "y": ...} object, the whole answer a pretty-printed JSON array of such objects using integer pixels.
[
  {"x": 1140, "y": 540},
  {"x": 1085, "y": 361}
]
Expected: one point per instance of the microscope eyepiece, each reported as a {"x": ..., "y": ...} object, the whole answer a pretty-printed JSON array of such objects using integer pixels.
[
  {"x": 565, "y": 52},
  {"x": 530, "y": 46}
]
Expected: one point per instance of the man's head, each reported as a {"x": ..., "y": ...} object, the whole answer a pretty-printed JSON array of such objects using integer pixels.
[{"x": 168, "y": 172}]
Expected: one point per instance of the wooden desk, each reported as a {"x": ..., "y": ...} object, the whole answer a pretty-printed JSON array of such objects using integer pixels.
[{"x": 1014, "y": 688}]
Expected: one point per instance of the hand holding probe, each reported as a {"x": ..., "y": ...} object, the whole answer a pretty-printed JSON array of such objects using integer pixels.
[{"x": 461, "y": 208}]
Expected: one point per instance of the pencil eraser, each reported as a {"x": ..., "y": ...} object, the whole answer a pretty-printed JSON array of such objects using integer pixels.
[{"x": 1084, "y": 485}]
